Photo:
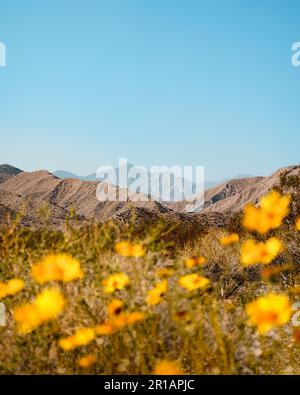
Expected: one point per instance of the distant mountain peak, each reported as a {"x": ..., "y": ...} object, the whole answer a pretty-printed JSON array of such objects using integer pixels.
[
  {"x": 66, "y": 174},
  {"x": 7, "y": 171}
]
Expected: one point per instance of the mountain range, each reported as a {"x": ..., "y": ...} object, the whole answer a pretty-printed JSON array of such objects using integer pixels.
[
  {"x": 93, "y": 177},
  {"x": 170, "y": 187},
  {"x": 41, "y": 195}
]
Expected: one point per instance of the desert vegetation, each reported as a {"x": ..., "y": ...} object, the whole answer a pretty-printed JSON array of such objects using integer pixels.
[{"x": 163, "y": 298}]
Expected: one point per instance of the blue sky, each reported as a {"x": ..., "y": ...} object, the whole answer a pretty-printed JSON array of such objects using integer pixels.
[{"x": 159, "y": 82}]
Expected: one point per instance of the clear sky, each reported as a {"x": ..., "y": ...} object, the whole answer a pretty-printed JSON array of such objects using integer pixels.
[{"x": 157, "y": 81}]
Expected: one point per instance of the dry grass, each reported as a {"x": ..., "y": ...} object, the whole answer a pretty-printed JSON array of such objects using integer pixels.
[{"x": 212, "y": 336}]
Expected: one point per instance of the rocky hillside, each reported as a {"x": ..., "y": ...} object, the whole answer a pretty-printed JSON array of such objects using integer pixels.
[
  {"x": 40, "y": 195},
  {"x": 235, "y": 194},
  {"x": 42, "y": 198}
]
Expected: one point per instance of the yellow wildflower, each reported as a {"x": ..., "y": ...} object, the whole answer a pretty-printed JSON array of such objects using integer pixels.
[
  {"x": 27, "y": 318},
  {"x": 124, "y": 248},
  {"x": 230, "y": 239},
  {"x": 134, "y": 317},
  {"x": 195, "y": 261},
  {"x": 166, "y": 367},
  {"x": 183, "y": 316},
  {"x": 81, "y": 337},
  {"x": 164, "y": 272},
  {"x": 59, "y": 267},
  {"x": 275, "y": 204},
  {"x": 252, "y": 219},
  {"x": 253, "y": 252},
  {"x": 193, "y": 281},
  {"x": 87, "y": 361},
  {"x": 115, "y": 307},
  {"x": 157, "y": 293},
  {"x": 11, "y": 287},
  {"x": 272, "y": 211},
  {"x": 137, "y": 251},
  {"x": 47, "y": 305},
  {"x": 118, "y": 322},
  {"x": 298, "y": 224},
  {"x": 115, "y": 281},
  {"x": 269, "y": 311},
  {"x": 104, "y": 329}
]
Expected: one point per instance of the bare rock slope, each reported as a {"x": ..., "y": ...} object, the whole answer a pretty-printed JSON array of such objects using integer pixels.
[
  {"x": 235, "y": 194},
  {"x": 232, "y": 196},
  {"x": 29, "y": 192}
]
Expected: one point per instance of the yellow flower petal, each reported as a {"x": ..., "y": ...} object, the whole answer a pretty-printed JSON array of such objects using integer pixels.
[
  {"x": 272, "y": 211},
  {"x": 11, "y": 287},
  {"x": 230, "y": 239},
  {"x": 253, "y": 252},
  {"x": 165, "y": 272},
  {"x": 166, "y": 367},
  {"x": 87, "y": 361},
  {"x": 269, "y": 311},
  {"x": 193, "y": 281},
  {"x": 81, "y": 337},
  {"x": 117, "y": 281},
  {"x": 124, "y": 248},
  {"x": 47, "y": 305},
  {"x": 134, "y": 317},
  {"x": 156, "y": 294},
  {"x": 195, "y": 261},
  {"x": 59, "y": 267},
  {"x": 115, "y": 307}
]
